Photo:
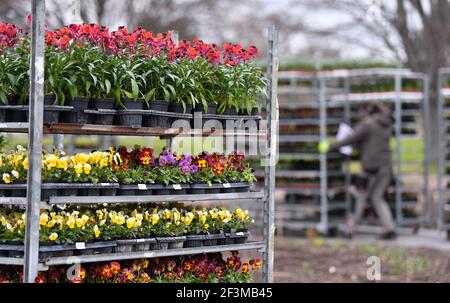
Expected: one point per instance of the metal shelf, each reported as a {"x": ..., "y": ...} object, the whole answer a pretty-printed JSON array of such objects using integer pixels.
[
  {"x": 154, "y": 253},
  {"x": 405, "y": 97},
  {"x": 155, "y": 198},
  {"x": 301, "y": 174},
  {"x": 93, "y": 129}
]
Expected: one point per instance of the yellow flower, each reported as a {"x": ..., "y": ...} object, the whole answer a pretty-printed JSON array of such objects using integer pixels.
[
  {"x": 168, "y": 214},
  {"x": 15, "y": 173},
  {"x": 43, "y": 219},
  {"x": 139, "y": 217},
  {"x": 131, "y": 223},
  {"x": 51, "y": 223},
  {"x": 104, "y": 162},
  {"x": 206, "y": 226},
  {"x": 6, "y": 178},
  {"x": 3, "y": 221},
  {"x": 79, "y": 222},
  {"x": 155, "y": 219},
  {"x": 62, "y": 163},
  {"x": 51, "y": 161},
  {"x": 53, "y": 236},
  {"x": 81, "y": 158},
  {"x": 144, "y": 263},
  {"x": 79, "y": 168},
  {"x": 94, "y": 157},
  {"x": 178, "y": 156},
  {"x": 25, "y": 163},
  {"x": 71, "y": 223},
  {"x": 87, "y": 169},
  {"x": 96, "y": 231},
  {"x": 1, "y": 161}
]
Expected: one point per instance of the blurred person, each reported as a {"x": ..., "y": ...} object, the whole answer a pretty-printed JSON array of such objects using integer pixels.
[{"x": 371, "y": 136}]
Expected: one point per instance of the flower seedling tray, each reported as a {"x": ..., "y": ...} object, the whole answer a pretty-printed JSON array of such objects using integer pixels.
[
  {"x": 51, "y": 112},
  {"x": 64, "y": 250},
  {"x": 212, "y": 239},
  {"x": 170, "y": 242},
  {"x": 171, "y": 189},
  {"x": 194, "y": 241},
  {"x": 239, "y": 237},
  {"x": 203, "y": 188},
  {"x": 129, "y": 245},
  {"x": 61, "y": 189},
  {"x": 236, "y": 187}
]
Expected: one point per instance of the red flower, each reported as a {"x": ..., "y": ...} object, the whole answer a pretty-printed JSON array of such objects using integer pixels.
[
  {"x": 40, "y": 279},
  {"x": 192, "y": 53},
  {"x": 245, "y": 268}
]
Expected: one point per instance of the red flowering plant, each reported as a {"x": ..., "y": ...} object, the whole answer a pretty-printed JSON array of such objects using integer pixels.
[
  {"x": 211, "y": 168},
  {"x": 135, "y": 166},
  {"x": 237, "y": 170}
]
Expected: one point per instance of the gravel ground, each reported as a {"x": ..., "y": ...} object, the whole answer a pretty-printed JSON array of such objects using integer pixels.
[{"x": 335, "y": 260}]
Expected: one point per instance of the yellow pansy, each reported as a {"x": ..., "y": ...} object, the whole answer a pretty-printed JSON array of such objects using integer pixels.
[
  {"x": 53, "y": 236},
  {"x": 43, "y": 219},
  {"x": 51, "y": 161},
  {"x": 155, "y": 219},
  {"x": 94, "y": 157},
  {"x": 87, "y": 169},
  {"x": 62, "y": 163},
  {"x": 131, "y": 223},
  {"x": 79, "y": 222},
  {"x": 6, "y": 178},
  {"x": 96, "y": 231},
  {"x": 104, "y": 162},
  {"x": 3, "y": 221},
  {"x": 1, "y": 161},
  {"x": 71, "y": 223},
  {"x": 25, "y": 163},
  {"x": 81, "y": 158},
  {"x": 51, "y": 223},
  {"x": 15, "y": 173},
  {"x": 78, "y": 168},
  {"x": 168, "y": 214}
]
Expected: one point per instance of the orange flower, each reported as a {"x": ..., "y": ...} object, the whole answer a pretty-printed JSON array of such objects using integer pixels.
[
  {"x": 76, "y": 280},
  {"x": 245, "y": 268},
  {"x": 115, "y": 268},
  {"x": 40, "y": 279}
]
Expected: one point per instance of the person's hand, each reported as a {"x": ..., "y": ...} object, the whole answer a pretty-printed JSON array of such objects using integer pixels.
[{"x": 324, "y": 146}]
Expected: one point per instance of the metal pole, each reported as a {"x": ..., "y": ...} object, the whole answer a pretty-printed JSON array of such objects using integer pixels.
[
  {"x": 426, "y": 121},
  {"x": 173, "y": 142},
  {"x": 35, "y": 140},
  {"x": 58, "y": 141},
  {"x": 347, "y": 119},
  {"x": 323, "y": 227},
  {"x": 398, "y": 130},
  {"x": 271, "y": 149},
  {"x": 441, "y": 151}
]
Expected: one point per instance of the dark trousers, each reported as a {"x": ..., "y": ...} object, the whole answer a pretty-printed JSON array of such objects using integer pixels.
[{"x": 377, "y": 184}]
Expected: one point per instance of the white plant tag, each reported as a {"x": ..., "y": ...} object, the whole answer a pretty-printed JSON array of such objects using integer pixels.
[
  {"x": 105, "y": 184},
  {"x": 239, "y": 233},
  {"x": 142, "y": 187},
  {"x": 80, "y": 245},
  {"x": 227, "y": 185},
  {"x": 140, "y": 240},
  {"x": 176, "y": 186}
]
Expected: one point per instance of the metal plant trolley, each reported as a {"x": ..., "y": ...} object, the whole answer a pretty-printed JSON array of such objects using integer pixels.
[
  {"x": 443, "y": 108},
  {"x": 33, "y": 263},
  {"x": 334, "y": 95},
  {"x": 407, "y": 94},
  {"x": 315, "y": 197}
]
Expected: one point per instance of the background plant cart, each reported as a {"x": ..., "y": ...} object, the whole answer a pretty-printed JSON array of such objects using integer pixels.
[
  {"x": 406, "y": 93},
  {"x": 31, "y": 261},
  {"x": 444, "y": 151},
  {"x": 313, "y": 190}
]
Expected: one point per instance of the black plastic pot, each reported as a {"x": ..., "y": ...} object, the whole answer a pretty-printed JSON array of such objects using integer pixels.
[
  {"x": 93, "y": 248},
  {"x": 194, "y": 241},
  {"x": 50, "y": 116},
  {"x": 203, "y": 188},
  {"x": 155, "y": 120},
  {"x": 230, "y": 112},
  {"x": 133, "y": 120},
  {"x": 3, "y": 114},
  {"x": 89, "y": 192},
  {"x": 212, "y": 239},
  {"x": 212, "y": 109},
  {"x": 126, "y": 245},
  {"x": 105, "y": 118},
  {"x": 178, "y": 242},
  {"x": 108, "y": 191},
  {"x": 175, "y": 107},
  {"x": 77, "y": 116},
  {"x": 68, "y": 192},
  {"x": 46, "y": 193},
  {"x": 15, "y": 115},
  {"x": 240, "y": 237}
]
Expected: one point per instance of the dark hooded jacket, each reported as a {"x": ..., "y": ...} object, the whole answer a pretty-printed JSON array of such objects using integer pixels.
[{"x": 371, "y": 136}]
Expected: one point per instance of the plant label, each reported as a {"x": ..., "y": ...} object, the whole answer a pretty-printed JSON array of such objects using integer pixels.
[
  {"x": 105, "y": 184},
  {"x": 80, "y": 245},
  {"x": 140, "y": 240},
  {"x": 226, "y": 185},
  {"x": 177, "y": 186},
  {"x": 142, "y": 187},
  {"x": 239, "y": 233}
]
